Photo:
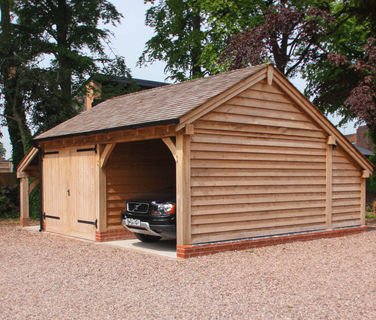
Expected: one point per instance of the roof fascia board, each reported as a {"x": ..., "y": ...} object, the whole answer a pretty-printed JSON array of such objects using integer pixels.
[
  {"x": 109, "y": 130},
  {"x": 322, "y": 121},
  {"x": 26, "y": 161},
  {"x": 223, "y": 97}
]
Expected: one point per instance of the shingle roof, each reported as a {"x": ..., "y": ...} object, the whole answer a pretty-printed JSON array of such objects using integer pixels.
[
  {"x": 363, "y": 151},
  {"x": 164, "y": 104}
]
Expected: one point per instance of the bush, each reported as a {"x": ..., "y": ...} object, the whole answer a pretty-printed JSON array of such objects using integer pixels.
[
  {"x": 35, "y": 203},
  {"x": 9, "y": 202}
]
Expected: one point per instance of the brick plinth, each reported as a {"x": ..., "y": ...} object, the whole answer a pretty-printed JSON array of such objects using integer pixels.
[
  {"x": 188, "y": 251},
  {"x": 111, "y": 235}
]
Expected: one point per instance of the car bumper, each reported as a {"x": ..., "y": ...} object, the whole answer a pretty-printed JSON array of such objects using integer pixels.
[{"x": 163, "y": 231}]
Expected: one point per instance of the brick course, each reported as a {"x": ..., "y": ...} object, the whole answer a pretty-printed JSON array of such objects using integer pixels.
[
  {"x": 111, "y": 235},
  {"x": 189, "y": 251}
]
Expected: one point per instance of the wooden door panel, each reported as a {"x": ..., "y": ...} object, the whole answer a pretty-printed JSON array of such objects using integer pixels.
[
  {"x": 82, "y": 197},
  {"x": 55, "y": 190}
]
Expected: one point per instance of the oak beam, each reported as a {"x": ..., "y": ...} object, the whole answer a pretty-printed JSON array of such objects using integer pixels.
[
  {"x": 171, "y": 146},
  {"x": 106, "y": 154},
  {"x": 189, "y": 129},
  {"x": 116, "y": 136},
  {"x": 33, "y": 185},
  {"x": 329, "y": 182},
  {"x": 362, "y": 201},
  {"x": 101, "y": 189},
  {"x": 183, "y": 190},
  {"x": 24, "y": 201},
  {"x": 366, "y": 174},
  {"x": 269, "y": 75}
]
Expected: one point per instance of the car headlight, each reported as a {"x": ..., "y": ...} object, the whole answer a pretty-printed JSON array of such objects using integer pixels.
[{"x": 163, "y": 209}]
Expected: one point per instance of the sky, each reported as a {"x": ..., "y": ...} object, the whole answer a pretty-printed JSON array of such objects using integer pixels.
[{"x": 129, "y": 41}]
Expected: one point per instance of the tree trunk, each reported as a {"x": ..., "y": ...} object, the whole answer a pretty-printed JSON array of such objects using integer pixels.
[
  {"x": 65, "y": 68},
  {"x": 14, "y": 111},
  {"x": 196, "y": 70}
]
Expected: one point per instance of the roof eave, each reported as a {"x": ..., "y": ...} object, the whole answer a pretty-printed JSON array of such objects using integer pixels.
[{"x": 107, "y": 130}]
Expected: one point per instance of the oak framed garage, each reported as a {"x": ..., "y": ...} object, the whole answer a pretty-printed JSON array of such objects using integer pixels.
[{"x": 253, "y": 158}]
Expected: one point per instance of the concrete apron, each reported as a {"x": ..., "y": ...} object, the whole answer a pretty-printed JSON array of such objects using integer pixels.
[{"x": 164, "y": 248}]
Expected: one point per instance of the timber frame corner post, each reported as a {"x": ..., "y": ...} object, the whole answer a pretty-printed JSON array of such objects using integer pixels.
[
  {"x": 25, "y": 188},
  {"x": 24, "y": 200},
  {"x": 103, "y": 154},
  {"x": 363, "y": 179},
  {"x": 331, "y": 143},
  {"x": 183, "y": 186}
]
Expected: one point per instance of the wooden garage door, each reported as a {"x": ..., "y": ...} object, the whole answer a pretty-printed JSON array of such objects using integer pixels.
[
  {"x": 55, "y": 190},
  {"x": 69, "y": 190},
  {"x": 82, "y": 193}
]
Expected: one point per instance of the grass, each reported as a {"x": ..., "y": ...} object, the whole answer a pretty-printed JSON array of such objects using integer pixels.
[
  {"x": 16, "y": 221},
  {"x": 370, "y": 215}
]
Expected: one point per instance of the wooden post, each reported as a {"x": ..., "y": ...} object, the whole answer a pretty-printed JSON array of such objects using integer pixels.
[
  {"x": 183, "y": 190},
  {"x": 269, "y": 74},
  {"x": 363, "y": 201},
  {"x": 101, "y": 188},
  {"x": 329, "y": 181},
  {"x": 24, "y": 201}
]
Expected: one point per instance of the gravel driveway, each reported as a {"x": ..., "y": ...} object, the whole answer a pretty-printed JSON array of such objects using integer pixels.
[{"x": 43, "y": 276}]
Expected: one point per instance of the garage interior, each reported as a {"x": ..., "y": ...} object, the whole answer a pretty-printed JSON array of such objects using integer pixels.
[{"x": 136, "y": 170}]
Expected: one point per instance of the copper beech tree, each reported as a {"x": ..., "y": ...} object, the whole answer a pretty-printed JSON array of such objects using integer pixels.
[{"x": 287, "y": 36}]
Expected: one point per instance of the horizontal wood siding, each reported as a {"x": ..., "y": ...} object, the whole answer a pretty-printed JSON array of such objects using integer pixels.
[
  {"x": 135, "y": 169},
  {"x": 257, "y": 168},
  {"x": 346, "y": 190}
]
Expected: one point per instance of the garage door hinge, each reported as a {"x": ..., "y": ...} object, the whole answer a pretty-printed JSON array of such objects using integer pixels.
[
  {"x": 50, "y": 152},
  {"x": 94, "y": 223},
  {"x": 87, "y": 149},
  {"x": 49, "y": 216}
]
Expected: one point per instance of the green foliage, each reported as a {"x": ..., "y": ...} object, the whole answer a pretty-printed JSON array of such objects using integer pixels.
[
  {"x": 9, "y": 202},
  {"x": 15, "y": 53},
  {"x": 68, "y": 32},
  {"x": 178, "y": 37},
  {"x": 2, "y": 151},
  {"x": 48, "y": 49},
  {"x": 35, "y": 203},
  {"x": 342, "y": 78},
  {"x": 190, "y": 34}
]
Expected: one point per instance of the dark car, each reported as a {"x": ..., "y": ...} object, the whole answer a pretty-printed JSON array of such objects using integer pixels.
[{"x": 151, "y": 217}]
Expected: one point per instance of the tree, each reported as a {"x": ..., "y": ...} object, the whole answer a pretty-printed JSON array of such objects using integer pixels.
[
  {"x": 47, "y": 49},
  {"x": 178, "y": 38},
  {"x": 191, "y": 34},
  {"x": 285, "y": 32},
  {"x": 342, "y": 79},
  {"x": 13, "y": 57},
  {"x": 2, "y": 151},
  {"x": 68, "y": 31}
]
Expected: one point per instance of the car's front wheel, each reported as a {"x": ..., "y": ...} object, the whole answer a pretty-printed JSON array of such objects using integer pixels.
[{"x": 147, "y": 238}]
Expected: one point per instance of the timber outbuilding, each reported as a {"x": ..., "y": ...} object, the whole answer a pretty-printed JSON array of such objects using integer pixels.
[{"x": 252, "y": 160}]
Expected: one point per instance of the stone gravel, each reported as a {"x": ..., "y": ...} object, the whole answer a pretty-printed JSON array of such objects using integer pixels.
[{"x": 44, "y": 276}]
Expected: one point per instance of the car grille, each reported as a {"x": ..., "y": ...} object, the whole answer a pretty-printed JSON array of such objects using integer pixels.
[{"x": 137, "y": 207}]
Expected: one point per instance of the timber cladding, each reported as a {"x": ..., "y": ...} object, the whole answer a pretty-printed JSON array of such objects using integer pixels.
[
  {"x": 346, "y": 190},
  {"x": 248, "y": 155},
  {"x": 134, "y": 170},
  {"x": 258, "y": 167}
]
